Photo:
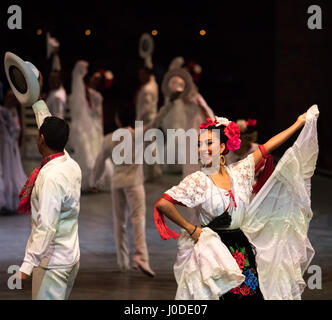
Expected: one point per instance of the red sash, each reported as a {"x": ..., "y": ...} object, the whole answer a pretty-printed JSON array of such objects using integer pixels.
[
  {"x": 159, "y": 220},
  {"x": 25, "y": 194}
]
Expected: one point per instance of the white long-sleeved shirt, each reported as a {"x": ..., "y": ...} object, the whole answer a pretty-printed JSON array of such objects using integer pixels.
[{"x": 55, "y": 204}]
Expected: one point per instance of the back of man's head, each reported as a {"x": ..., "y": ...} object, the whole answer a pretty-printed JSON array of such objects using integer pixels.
[{"x": 55, "y": 132}]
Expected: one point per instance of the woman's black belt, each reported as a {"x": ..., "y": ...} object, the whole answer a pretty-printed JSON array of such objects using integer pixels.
[{"x": 221, "y": 222}]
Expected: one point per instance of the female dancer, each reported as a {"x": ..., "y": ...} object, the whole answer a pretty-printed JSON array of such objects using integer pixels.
[
  {"x": 86, "y": 127},
  {"x": 218, "y": 260},
  {"x": 185, "y": 107},
  {"x": 12, "y": 176}
]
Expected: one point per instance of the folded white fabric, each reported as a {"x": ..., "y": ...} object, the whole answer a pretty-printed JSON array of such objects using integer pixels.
[{"x": 205, "y": 270}]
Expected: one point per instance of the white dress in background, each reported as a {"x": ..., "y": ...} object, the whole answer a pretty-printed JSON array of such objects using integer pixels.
[
  {"x": 86, "y": 135},
  {"x": 96, "y": 112},
  {"x": 276, "y": 222},
  {"x": 183, "y": 114},
  {"x": 56, "y": 102},
  {"x": 12, "y": 176}
]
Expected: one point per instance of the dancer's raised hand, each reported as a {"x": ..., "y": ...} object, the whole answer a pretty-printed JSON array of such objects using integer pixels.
[{"x": 302, "y": 118}]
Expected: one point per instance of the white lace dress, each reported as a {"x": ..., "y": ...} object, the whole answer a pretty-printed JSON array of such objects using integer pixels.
[
  {"x": 86, "y": 134},
  {"x": 275, "y": 222}
]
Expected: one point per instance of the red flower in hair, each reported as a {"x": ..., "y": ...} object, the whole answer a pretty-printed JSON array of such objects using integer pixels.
[
  {"x": 233, "y": 144},
  {"x": 251, "y": 122},
  {"x": 232, "y": 130},
  {"x": 207, "y": 124}
]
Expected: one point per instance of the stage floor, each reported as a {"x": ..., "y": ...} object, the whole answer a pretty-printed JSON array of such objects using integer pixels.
[{"x": 99, "y": 277}]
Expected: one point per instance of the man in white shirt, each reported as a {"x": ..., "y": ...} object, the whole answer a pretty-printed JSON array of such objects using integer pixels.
[{"x": 52, "y": 252}]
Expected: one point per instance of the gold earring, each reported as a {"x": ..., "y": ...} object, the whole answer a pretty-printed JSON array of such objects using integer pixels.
[{"x": 222, "y": 160}]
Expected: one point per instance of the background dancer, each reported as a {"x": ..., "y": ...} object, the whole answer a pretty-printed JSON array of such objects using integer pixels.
[
  {"x": 87, "y": 130},
  {"x": 57, "y": 96},
  {"x": 12, "y": 175},
  {"x": 128, "y": 196},
  {"x": 146, "y": 110},
  {"x": 182, "y": 110}
]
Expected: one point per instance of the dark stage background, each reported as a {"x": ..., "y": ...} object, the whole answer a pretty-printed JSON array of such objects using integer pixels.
[{"x": 259, "y": 58}]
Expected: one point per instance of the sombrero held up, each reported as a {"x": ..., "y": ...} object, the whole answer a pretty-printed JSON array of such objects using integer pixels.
[{"x": 23, "y": 79}]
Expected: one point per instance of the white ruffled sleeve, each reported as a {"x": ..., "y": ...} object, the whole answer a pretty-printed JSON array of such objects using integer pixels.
[{"x": 191, "y": 190}]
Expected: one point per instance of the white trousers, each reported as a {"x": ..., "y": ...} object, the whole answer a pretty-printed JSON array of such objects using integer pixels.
[
  {"x": 132, "y": 200},
  {"x": 53, "y": 284}
]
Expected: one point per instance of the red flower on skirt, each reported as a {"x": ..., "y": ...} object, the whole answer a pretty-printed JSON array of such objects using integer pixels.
[
  {"x": 240, "y": 259},
  {"x": 245, "y": 290},
  {"x": 235, "y": 290}
]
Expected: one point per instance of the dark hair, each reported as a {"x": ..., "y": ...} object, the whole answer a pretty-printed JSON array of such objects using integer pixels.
[
  {"x": 223, "y": 138},
  {"x": 126, "y": 114},
  {"x": 55, "y": 132}
]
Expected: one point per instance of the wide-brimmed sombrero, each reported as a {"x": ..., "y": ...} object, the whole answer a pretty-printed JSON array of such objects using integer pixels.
[
  {"x": 145, "y": 49},
  {"x": 23, "y": 79},
  {"x": 182, "y": 73}
]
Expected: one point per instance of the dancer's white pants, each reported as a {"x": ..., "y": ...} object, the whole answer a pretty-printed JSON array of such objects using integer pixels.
[
  {"x": 53, "y": 284},
  {"x": 132, "y": 200}
]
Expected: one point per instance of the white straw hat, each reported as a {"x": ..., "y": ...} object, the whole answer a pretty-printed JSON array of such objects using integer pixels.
[{"x": 23, "y": 79}]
